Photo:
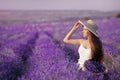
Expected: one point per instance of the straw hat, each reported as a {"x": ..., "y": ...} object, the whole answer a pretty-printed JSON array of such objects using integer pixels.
[{"x": 91, "y": 26}]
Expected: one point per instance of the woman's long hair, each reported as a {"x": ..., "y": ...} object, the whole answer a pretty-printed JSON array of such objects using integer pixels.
[{"x": 96, "y": 48}]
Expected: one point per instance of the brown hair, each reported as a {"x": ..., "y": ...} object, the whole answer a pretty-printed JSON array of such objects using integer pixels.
[{"x": 96, "y": 48}]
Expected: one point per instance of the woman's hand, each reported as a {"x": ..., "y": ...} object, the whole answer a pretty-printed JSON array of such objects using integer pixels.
[
  {"x": 76, "y": 25},
  {"x": 70, "y": 33}
]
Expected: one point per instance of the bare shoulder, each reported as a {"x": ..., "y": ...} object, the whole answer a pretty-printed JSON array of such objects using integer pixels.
[
  {"x": 86, "y": 44},
  {"x": 81, "y": 41}
]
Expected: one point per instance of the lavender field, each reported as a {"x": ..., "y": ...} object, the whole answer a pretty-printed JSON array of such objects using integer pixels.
[{"x": 37, "y": 52}]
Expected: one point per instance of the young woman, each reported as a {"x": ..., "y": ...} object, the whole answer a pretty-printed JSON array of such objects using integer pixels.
[{"x": 90, "y": 48}]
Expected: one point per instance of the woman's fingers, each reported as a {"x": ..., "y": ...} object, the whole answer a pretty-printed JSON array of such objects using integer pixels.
[{"x": 77, "y": 24}]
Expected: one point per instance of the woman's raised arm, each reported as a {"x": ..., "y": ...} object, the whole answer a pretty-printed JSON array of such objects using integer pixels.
[{"x": 70, "y": 33}]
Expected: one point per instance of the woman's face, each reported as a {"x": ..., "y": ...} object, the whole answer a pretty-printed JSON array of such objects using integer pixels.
[{"x": 85, "y": 32}]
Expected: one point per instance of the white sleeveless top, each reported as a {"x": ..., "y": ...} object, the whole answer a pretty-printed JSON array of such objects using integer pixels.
[{"x": 84, "y": 54}]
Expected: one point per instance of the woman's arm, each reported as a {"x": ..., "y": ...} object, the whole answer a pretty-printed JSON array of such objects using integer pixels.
[{"x": 70, "y": 33}]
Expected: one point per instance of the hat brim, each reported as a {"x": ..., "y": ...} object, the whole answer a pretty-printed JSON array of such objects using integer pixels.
[
  {"x": 81, "y": 23},
  {"x": 85, "y": 25},
  {"x": 95, "y": 33}
]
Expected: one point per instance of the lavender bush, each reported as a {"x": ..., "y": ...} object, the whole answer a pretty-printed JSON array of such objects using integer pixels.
[{"x": 37, "y": 52}]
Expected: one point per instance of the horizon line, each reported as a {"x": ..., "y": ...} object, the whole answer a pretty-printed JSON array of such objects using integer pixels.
[{"x": 56, "y": 10}]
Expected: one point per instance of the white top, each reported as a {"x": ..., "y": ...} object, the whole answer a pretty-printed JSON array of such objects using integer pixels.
[{"x": 84, "y": 54}]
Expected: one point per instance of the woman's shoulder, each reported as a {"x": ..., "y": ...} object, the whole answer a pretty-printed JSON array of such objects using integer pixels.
[
  {"x": 81, "y": 41},
  {"x": 85, "y": 43}
]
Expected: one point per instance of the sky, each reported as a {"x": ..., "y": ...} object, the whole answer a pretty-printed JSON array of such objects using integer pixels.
[{"x": 101, "y": 5}]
